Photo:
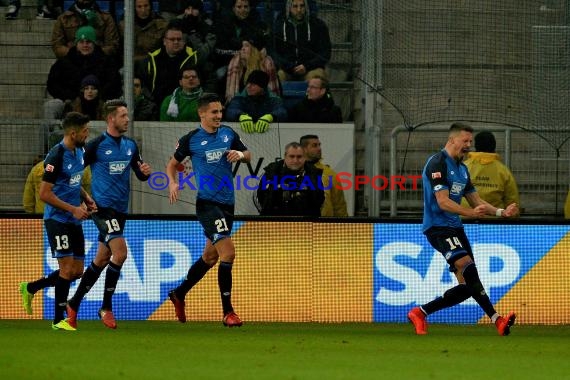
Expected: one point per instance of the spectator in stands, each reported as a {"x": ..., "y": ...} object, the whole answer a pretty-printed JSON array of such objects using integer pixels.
[
  {"x": 302, "y": 43},
  {"x": 31, "y": 198},
  {"x": 230, "y": 31},
  {"x": 169, "y": 9},
  {"x": 85, "y": 13},
  {"x": 334, "y": 203},
  {"x": 159, "y": 71},
  {"x": 317, "y": 106},
  {"x": 224, "y": 8},
  {"x": 291, "y": 186},
  {"x": 493, "y": 180},
  {"x": 66, "y": 74},
  {"x": 145, "y": 108},
  {"x": 182, "y": 105},
  {"x": 88, "y": 102},
  {"x": 256, "y": 107},
  {"x": 198, "y": 29},
  {"x": 149, "y": 29},
  {"x": 252, "y": 56}
]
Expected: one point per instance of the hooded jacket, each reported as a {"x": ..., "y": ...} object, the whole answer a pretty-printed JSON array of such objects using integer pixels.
[
  {"x": 306, "y": 42},
  {"x": 492, "y": 179}
]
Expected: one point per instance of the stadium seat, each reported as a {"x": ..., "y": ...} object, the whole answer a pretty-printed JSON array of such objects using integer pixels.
[{"x": 293, "y": 92}]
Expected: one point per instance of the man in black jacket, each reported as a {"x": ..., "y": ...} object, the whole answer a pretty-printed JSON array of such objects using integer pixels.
[
  {"x": 291, "y": 186},
  {"x": 317, "y": 106}
]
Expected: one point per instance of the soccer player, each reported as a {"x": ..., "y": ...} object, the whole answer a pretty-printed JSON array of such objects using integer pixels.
[
  {"x": 445, "y": 181},
  {"x": 111, "y": 157},
  {"x": 62, "y": 193},
  {"x": 213, "y": 148}
]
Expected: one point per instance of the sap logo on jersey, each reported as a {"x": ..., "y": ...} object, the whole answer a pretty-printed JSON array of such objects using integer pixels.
[
  {"x": 75, "y": 179},
  {"x": 117, "y": 167},
  {"x": 498, "y": 265},
  {"x": 213, "y": 156}
]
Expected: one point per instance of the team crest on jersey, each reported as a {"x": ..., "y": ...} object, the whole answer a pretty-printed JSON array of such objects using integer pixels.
[
  {"x": 117, "y": 167},
  {"x": 225, "y": 138},
  {"x": 108, "y": 152},
  {"x": 129, "y": 152},
  {"x": 203, "y": 142},
  {"x": 213, "y": 156}
]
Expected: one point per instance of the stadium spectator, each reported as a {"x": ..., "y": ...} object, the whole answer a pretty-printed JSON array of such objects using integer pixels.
[
  {"x": 214, "y": 205},
  {"x": 334, "y": 203},
  {"x": 31, "y": 201},
  {"x": 170, "y": 9},
  {"x": 256, "y": 107},
  {"x": 83, "y": 59},
  {"x": 198, "y": 29},
  {"x": 111, "y": 191},
  {"x": 225, "y": 8},
  {"x": 230, "y": 32},
  {"x": 291, "y": 186},
  {"x": 88, "y": 102},
  {"x": 182, "y": 104},
  {"x": 144, "y": 108},
  {"x": 159, "y": 71},
  {"x": 252, "y": 56},
  {"x": 445, "y": 181},
  {"x": 302, "y": 43},
  {"x": 63, "y": 195},
  {"x": 317, "y": 106},
  {"x": 493, "y": 180},
  {"x": 149, "y": 29},
  {"x": 85, "y": 13}
]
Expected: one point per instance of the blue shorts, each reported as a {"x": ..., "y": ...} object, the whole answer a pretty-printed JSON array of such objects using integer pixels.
[
  {"x": 216, "y": 219},
  {"x": 65, "y": 239},
  {"x": 452, "y": 243},
  {"x": 110, "y": 223}
]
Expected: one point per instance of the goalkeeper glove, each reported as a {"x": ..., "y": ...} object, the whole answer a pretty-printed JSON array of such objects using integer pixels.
[
  {"x": 246, "y": 123},
  {"x": 262, "y": 124}
]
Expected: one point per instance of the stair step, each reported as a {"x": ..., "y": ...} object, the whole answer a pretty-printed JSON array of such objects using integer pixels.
[
  {"x": 25, "y": 39},
  {"x": 18, "y": 65},
  {"x": 20, "y": 51},
  {"x": 27, "y": 24}
]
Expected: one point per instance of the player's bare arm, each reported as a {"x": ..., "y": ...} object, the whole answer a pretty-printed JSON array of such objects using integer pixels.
[
  {"x": 446, "y": 204},
  {"x": 236, "y": 155},
  {"x": 172, "y": 183}
]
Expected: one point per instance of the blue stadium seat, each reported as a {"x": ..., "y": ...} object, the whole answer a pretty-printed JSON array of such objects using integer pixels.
[{"x": 293, "y": 92}]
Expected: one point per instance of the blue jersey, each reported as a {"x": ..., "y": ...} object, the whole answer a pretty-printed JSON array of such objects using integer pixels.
[
  {"x": 64, "y": 168},
  {"x": 442, "y": 172},
  {"x": 111, "y": 160},
  {"x": 208, "y": 152}
]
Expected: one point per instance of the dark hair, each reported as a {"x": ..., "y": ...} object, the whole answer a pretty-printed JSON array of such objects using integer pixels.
[
  {"x": 304, "y": 140},
  {"x": 485, "y": 142},
  {"x": 459, "y": 127},
  {"x": 187, "y": 68},
  {"x": 74, "y": 120},
  {"x": 207, "y": 98},
  {"x": 111, "y": 106}
]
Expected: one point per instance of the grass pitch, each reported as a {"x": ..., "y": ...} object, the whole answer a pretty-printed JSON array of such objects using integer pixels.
[{"x": 170, "y": 350}]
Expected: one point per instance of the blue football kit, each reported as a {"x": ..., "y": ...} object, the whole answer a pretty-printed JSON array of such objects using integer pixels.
[{"x": 208, "y": 152}]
